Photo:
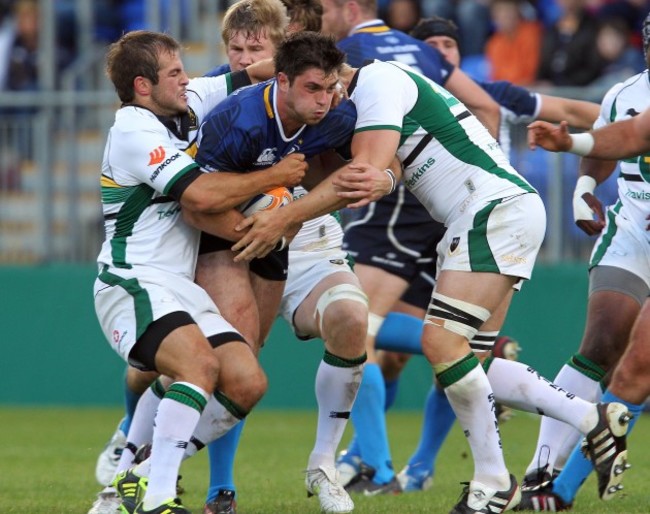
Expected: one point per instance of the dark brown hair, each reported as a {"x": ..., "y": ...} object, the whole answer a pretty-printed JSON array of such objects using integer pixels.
[{"x": 136, "y": 54}]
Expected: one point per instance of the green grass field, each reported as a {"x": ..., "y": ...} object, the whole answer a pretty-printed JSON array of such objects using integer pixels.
[{"x": 47, "y": 461}]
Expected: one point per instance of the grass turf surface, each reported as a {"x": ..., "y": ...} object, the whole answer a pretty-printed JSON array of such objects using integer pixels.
[{"x": 47, "y": 462}]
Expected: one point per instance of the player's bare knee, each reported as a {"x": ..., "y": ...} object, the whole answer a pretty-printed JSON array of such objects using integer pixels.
[
  {"x": 248, "y": 389},
  {"x": 343, "y": 317}
]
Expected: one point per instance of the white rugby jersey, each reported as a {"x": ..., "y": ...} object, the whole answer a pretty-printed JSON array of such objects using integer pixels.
[
  {"x": 623, "y": 101},
  {"x": 142, "y": 160},
  {"x": 322, "y": 233},
  {"x": 461, "y": 163}
]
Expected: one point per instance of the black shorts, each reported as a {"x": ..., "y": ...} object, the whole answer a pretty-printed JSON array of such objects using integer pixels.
[
  {"x": 395, "y": 234},
  {"x": 420, "y": 289},
  {"x": 272, "y": 267}
]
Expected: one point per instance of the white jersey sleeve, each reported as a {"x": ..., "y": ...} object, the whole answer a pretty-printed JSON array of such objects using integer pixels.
[
  {"x": 204, "y": 93},
  {"x": 384, "y": 106}
]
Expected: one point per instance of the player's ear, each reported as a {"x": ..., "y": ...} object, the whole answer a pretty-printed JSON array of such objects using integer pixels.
[
  {"x": 142, "y": 86},
  {"x": 283, "y": 81}
]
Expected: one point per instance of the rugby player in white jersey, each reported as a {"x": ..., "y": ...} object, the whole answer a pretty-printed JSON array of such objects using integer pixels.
[
  {"x": 495, "y": 225},
  {"x": 619, "y": 282},
  {"x": 149, "y": 308}
]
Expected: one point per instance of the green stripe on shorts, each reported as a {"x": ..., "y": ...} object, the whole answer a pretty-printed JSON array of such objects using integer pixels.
[
  {"x": 141, "y": 301},
  {"x": 480, "y": 255}
]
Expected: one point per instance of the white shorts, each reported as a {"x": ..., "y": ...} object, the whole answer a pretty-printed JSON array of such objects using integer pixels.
[
  {"x": 503, "y": 236},
  {"x": 622, "y": 244},
  {"x": 127, "y": 302},
  {"x": 306, "y": 270}
]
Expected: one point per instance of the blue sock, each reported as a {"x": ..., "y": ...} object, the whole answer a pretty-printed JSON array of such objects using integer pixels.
[
  {"x": 400, "y": 333},
  {"x": 438, "y": 419},
  {"x": 353, "y": 449},
  {"x": 130, "y": 401},
  {"x": 578, "y": 467},
  {"x": 370, "y": 423},
  {"x": 222, "y": 460},
  {"x": 391, "y": 392}
]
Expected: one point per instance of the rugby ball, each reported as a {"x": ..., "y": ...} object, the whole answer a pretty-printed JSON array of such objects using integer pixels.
[{"x": 273, "y": 199}]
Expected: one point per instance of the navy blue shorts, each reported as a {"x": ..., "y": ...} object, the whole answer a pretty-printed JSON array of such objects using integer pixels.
[{"x": 397, "y": 235}]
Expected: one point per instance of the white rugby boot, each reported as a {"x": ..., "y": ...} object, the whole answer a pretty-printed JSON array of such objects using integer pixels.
[{"x": 323, "y": 482}]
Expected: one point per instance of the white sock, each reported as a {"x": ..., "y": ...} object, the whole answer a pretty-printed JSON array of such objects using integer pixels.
[
  {"x": 215, "y": 421},
  {"x": 178, "y": 414},
  {"x": 336, "y": 390},
  {"x": 141, "y": 429},
  {"x": 557, "y": 439},
  {"x": 520, "y": 386},
  {"x": 473, "y": 402}
]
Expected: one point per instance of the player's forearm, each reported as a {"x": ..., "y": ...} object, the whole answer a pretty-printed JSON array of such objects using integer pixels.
[
  {"x": 219, "y": 224},
  {"x": 218, "y": 192},
  {"x": 321, "y": 200},
  {"x": 598, "y": 169},
  {"x": 581, "y": 114},
  {"x": 616, "y": 141}
]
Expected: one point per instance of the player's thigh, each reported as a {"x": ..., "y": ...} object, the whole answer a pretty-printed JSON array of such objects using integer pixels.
[
  {"x": 229, "y": 285},
  {"x": 631, "y": 378},
  {"x": 610, "y": 316},
  {"x": 268, "y": 294},
  {"x": 383, "y": 288},
  {"x": 619, "y": 283},
  {"x": 485, "y": 290},
  {"x": 185, "y": 354}
]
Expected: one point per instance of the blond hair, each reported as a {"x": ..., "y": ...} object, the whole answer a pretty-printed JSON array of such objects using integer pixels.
[{"x": 254, "y": 18}]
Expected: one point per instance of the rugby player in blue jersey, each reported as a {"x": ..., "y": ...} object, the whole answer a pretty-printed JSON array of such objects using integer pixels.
[{"x": 286, "y": 115}]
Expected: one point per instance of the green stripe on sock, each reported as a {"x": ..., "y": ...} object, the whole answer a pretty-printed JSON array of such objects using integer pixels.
[
  {"x": 187, "y": 396},
  {"x": 458, "y": 370},
  {"x": 487, "y": 363},
  {"x": 158, "y": 388},
  {"x": 234, "y": 409},
  {"x": 587, "y": 367},
  {"x": 340, "y": 362}
]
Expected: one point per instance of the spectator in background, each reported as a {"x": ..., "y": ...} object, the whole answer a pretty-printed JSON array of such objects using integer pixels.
[
  {"x": 622, "y": 59},
  {"x": 403, "y": 14},
  {"x": 513, "y": 49},
  {"x": 22, "y": 66},
  {"x": 19, "y": 72},
  {"x": 568, "y": 56},
  {"x": 633, "y": 12},
  {"x": 471, "y": 16}
]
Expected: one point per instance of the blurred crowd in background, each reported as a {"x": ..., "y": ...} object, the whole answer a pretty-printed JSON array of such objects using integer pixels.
[
  {"x": 530, "y": 43},
  {"x": 575, "y": 48}
]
